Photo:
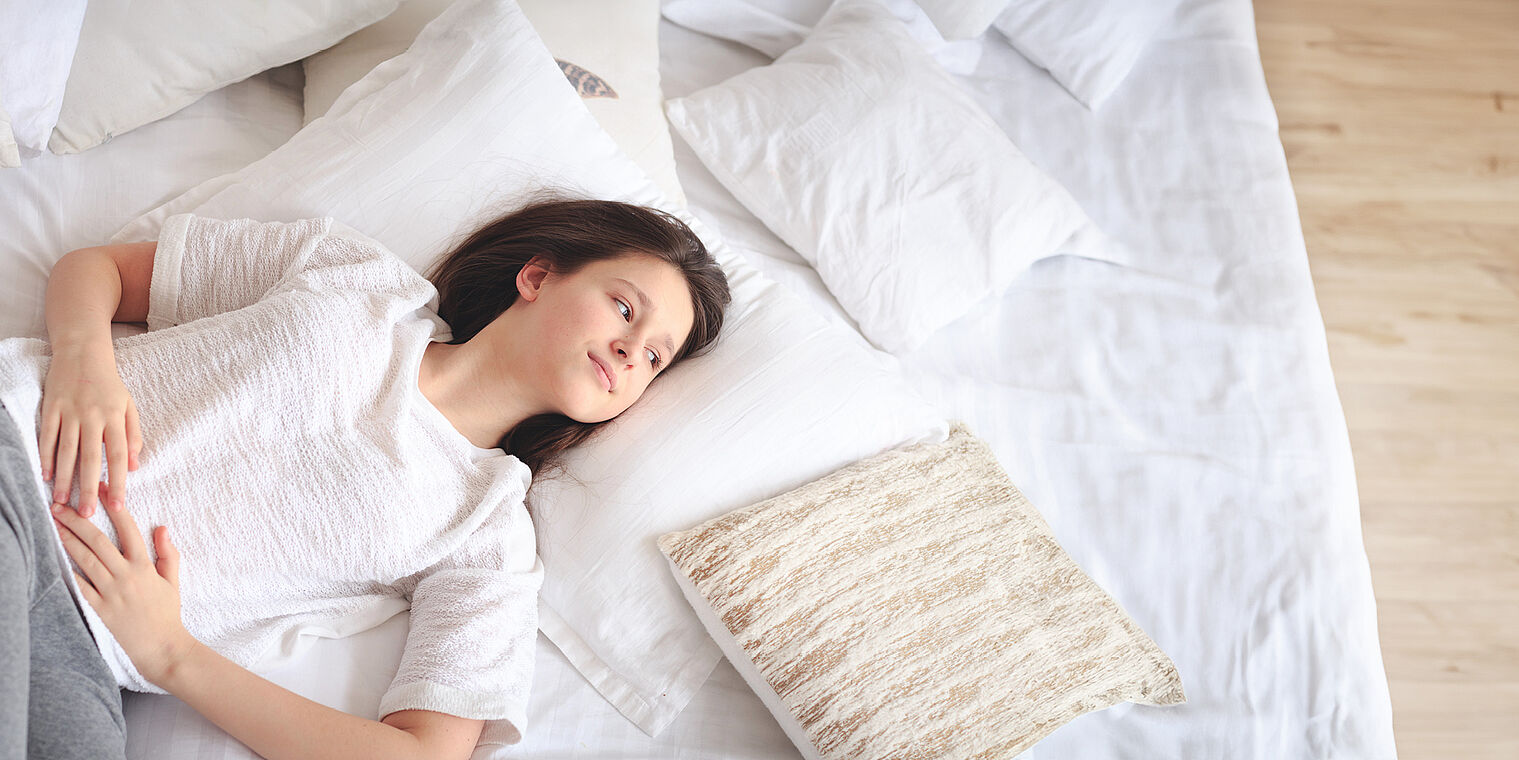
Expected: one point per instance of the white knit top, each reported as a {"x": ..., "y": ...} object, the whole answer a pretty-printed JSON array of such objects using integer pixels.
[{"x": 308, "y": 483}]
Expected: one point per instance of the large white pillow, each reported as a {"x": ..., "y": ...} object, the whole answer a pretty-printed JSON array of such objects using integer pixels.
[
  {"x": 609, "y": 49},
  {"x": 1088, "y": 46},
  {"x": 37, "y": 42},
  {"x": 784, "y": 397},
  {"x": 861, "y": 153},
  {"x": 141, "y": 60}
]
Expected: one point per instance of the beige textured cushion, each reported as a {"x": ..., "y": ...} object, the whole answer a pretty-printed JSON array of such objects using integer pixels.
[{"x": 914, "y": 604}]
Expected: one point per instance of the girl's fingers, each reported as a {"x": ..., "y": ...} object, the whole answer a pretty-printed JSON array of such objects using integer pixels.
[
  {"x": 90, "y": 594},
  {"x": 47, "y": 439},
  {"x": 68, "y": 442},
  {"x": 90, "y": 437},
  {"x": 94, "y": 542},
  {"x": 116, "y": 465},
  {"x": 94, "y": 568},
  {"x": 134, "y": 437},
  {"x": 132, "y": 547},
  {"x": 168, "y": 556}
]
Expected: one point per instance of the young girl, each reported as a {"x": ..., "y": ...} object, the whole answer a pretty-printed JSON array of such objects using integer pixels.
[{"x": 330, "y": 437}]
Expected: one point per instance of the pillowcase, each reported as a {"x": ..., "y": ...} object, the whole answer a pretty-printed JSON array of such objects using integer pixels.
[
  {"x": 858, "y": 151},
  {"x": 1088, "y": 46},
  {"x": 437, "y": 141},
  {"x": 913, "y": 604},
  {"x": 140, "y": 61},
  {"x": 37, "y": 43},
  {"x": 609, "y": 49}
]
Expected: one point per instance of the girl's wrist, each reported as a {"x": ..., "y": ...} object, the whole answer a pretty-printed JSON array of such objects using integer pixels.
[
  {"x": 174, "y": 662},
  {"x": 81, "y": 343}
]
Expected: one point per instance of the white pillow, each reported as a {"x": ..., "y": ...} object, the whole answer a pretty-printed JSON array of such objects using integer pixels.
[
  {"x": 962, "y": 19},
  {"x": 858, "y": 151},
  {"x": 37, "y": 42},
  {"x": 1088, "y": 46},
  {"x": 609, "y": 47},
  {"x": 784, "y": 397},
  {"x": 141, "y": 60}
]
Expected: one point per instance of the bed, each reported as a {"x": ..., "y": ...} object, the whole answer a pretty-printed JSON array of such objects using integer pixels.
[{"x": 1174, "y": 418}]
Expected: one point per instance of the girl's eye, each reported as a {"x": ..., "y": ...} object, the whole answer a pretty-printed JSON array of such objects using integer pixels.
[{"x": 627, "y": 312}]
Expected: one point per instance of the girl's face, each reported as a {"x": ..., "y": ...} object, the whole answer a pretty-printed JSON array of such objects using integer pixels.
[{"x": 602, "y": 334}]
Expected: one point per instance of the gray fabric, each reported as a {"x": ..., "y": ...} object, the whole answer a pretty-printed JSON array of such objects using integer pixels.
[{"x": 57, "y": 697}]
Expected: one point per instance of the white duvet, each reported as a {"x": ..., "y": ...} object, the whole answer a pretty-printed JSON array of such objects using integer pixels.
[{"x": 1175, "y": 421}]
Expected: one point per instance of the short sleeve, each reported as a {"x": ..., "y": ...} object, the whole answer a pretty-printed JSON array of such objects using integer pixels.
[
  {"x": 205, "y": 266},
  {"x": 474, "y": 629}
]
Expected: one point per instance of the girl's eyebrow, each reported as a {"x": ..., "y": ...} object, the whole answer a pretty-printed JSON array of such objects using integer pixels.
[{"x": 644, "y": 301}]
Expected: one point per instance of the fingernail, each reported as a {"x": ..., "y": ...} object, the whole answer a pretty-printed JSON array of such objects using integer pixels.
[
  {"x": 57, "y": 508},
  {"x": 116, "y": 505}
]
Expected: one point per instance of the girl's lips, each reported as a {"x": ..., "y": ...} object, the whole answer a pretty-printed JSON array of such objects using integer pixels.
[{"x": 601, "y": 371}]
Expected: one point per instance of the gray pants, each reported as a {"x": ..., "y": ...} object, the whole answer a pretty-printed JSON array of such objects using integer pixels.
[{"x": 57, "y": 696}]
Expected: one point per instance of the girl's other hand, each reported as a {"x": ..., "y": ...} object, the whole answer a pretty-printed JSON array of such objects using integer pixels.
[
  {"x": 136, "y": 598},
  {"x": 84, "y": 403}
]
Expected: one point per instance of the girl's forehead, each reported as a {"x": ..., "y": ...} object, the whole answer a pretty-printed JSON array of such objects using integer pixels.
[{"x": 641, "y": 268}]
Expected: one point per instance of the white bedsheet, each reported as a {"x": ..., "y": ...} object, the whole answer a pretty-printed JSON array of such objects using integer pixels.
[{"x": 1176, "y": 422}]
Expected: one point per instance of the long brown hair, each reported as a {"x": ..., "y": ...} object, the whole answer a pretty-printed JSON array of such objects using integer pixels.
[{"x": 476, "y": 282}]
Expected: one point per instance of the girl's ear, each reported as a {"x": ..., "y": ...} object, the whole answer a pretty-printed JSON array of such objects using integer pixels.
[{"x": 530, "y": 278}]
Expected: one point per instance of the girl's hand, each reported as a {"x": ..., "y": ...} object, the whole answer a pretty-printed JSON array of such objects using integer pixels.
[
  {"x": 83, "y": 403},
  {"x": 137, "y": 599}
]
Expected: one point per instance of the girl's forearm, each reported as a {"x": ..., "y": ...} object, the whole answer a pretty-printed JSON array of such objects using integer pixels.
[
  {"x": 273, "y": 721},
  {"x": 83, "y": 293}
]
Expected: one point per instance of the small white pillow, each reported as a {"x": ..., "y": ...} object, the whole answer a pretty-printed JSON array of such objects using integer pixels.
[
  {"x": 608, "y": 48},
  {"x": 1088, "y": 46},
  {"x": 141, "y": 60},
  {"x": 434, "y": 142},
  {"x": 37, "y": 44},
  {"x": 861, "y": 153}
]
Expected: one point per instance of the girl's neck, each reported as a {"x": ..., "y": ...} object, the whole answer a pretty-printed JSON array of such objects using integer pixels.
[{"x": 473, "y": 393}]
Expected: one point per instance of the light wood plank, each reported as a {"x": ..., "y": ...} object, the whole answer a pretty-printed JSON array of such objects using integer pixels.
[{"x": 1400, "y": 123}]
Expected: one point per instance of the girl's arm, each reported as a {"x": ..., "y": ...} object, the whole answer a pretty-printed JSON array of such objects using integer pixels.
[
  {"x": 84, "y": 401},
  {"x": 278, "y": 723},
  {"x": 139, "y": 602}
]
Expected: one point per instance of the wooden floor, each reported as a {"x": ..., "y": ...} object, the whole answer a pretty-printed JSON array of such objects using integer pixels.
[{"x": 1400, "y": 120}]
